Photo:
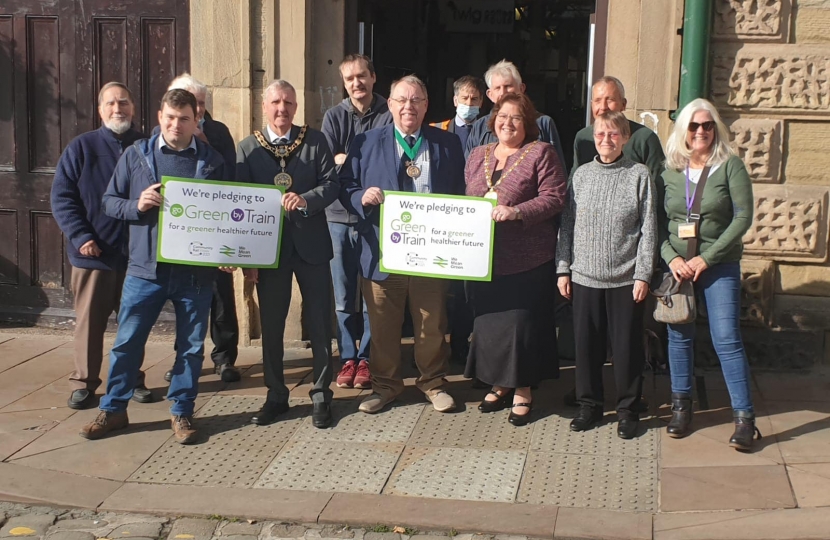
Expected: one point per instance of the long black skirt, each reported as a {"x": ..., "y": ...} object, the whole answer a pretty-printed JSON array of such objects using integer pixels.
[{"x": 514, "y": 334}]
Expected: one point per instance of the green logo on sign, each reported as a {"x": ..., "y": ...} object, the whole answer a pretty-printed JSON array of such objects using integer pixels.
[
  {"x": 176, "y": 210},
  {"x": 406, "y": 217},
  {"x": 227, "y": 251},
  {"x": 438, "y": 261}
]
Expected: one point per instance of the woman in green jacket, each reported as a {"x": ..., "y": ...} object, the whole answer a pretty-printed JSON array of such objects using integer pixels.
[{"x": 700, "y": 143}]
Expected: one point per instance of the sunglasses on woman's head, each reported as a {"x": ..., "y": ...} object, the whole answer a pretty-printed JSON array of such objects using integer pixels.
[{"x": 707, "y": 126}]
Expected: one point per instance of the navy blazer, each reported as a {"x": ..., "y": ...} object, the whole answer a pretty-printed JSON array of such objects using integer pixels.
[{"x": 373, "y": 161}]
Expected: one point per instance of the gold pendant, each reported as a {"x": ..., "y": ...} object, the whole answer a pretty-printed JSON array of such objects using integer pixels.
[
  {"x": 412, "y": 170},
  {"x": 492, "y": 194},
  {"x": 283, "y": 179}
]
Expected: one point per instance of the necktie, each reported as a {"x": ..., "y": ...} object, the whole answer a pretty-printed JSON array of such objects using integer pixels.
[{"x": 405, "y": 183}]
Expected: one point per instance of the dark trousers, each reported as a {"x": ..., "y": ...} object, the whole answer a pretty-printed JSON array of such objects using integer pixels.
[
  {"x": 605, "y": 317},
  {"x": 274, "y": 291},
  {"x": 224, "y": 327}
]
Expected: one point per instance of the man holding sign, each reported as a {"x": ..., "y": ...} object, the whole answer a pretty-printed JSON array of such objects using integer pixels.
[
  {"x": 133, "y": 196},
  {"x": 298, "y": 159},
  {"x": 406, "y": 156}
]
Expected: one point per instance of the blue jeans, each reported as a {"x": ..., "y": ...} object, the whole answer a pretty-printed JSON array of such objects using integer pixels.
[
  {"x": 719, "y": 287},
  {"x": 345, "y": 276},
  {"x": 141, "y": 304}
]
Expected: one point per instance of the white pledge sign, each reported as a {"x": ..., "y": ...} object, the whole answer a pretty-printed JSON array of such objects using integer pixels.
[
  {"x": 210, "y": 223},
  {"x": 442, "y": 236}
]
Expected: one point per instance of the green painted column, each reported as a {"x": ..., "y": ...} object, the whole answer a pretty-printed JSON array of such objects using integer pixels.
[{"x": 694, "y": 65}]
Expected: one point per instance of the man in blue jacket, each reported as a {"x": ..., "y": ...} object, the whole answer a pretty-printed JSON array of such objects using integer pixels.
[
  {"x": 405, "y": 156},
  {"x": 503, "y": 78},
  {"x": 133, "y": 196},
  {"x": 95, "y": 242}
]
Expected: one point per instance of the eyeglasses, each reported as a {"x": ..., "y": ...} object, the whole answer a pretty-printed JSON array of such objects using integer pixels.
[
  {"x": 514, "y": 119},
  {"x": 600, "y": 135},
  {"x": 707, "y": 126},
  {"x": 414, "y": 101}
]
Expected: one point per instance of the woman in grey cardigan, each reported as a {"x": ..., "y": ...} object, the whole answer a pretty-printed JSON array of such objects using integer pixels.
[{"x": 605, "y": 257}]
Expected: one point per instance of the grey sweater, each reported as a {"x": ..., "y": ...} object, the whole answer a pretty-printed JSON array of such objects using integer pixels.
[{"x": 608, "y": 236}]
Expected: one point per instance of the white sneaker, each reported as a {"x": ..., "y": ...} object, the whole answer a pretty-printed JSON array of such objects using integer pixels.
[
  {"x": 441, "y": 400},
  {"x": 375, "y": 403}
]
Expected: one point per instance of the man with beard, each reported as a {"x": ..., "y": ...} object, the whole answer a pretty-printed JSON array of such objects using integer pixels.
[{"x": 95, "y": 242}]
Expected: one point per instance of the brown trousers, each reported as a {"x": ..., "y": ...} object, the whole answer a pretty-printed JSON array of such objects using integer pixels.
[
  {"x": 97, "y": 295},
  {"x": 386, "y": 302}
]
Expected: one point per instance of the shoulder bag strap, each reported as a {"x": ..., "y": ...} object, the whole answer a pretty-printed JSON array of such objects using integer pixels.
[{"x": 691, "y": 250}]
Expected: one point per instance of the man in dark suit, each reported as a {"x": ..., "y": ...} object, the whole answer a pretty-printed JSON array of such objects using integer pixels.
[
  {"x": 405, "y": 156},
  {"x": 299, "y": 159}
]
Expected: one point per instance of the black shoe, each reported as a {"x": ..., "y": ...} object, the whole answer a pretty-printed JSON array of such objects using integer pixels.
[
  {"x": 745, "y": 432},
  {"x": 269, "y": 412},
  {"x": 587, "y": 418},
  {"x": 321, "y": 415},
  {"x": 500, "y": 403},
  {"x": 142, "y": 394},
  {"x": 81, "y": 399},
  {"x": 569, "y": 399},
  {"x": 681, "y": 415},
  {"x": 520, "y": 419},
  {"x": 228, "y": 373},
  {"x": 168, "y": 376},
  {"x": 627, "y": 428}
]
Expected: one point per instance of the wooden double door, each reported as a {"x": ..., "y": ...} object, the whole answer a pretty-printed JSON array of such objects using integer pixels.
[{"x": 54, "y": 56}]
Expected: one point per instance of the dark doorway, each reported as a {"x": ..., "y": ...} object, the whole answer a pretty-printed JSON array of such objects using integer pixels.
[
  {"x": 54, "y": 55},
  {"x": 441, "y": 40}
]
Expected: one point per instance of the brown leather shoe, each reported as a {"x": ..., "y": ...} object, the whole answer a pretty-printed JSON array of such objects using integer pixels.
[
  {"x": 104, "y": 423},
  {"x": 183, "y": 430}
]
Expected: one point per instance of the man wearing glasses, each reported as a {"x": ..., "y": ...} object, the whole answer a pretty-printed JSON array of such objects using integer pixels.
[{"x": 405, "y": 156}]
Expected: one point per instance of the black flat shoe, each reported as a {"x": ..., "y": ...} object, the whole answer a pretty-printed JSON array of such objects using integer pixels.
[
  {"x": 321, "y": 415},
  {"x": 587, "y": 418},
  {"x": 228, "y": 373},
  {"x": 269, "y": 412},
  {"x": 627, "y": 428},
  {"x": 520, "y": 419},
  {"x": 81, "y": 399},
  {"x": 142, "y": 394},
  {"x": 498, "y": 404}
]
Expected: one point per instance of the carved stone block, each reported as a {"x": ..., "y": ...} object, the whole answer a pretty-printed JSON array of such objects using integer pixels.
[
  {"x": 751, "y": 20},
  {"x": 766, "y": 349},
  {"x": 806, "y": 313},
  {"x": 759, "y": 143},
  {"x": 776, "y": 78},
  {"x": 757, "y": 286},
  {"x": 790, "y": 224}
]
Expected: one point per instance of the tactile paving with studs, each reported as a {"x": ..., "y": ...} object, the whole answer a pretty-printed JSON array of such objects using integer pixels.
[
  {"x": 590, "y": 481},
  {"x": 458, "y": 473},
  {"x": 392, "y": 425},
  {"x": 553, "y": 434},
  {"x": 310, "y": 465},
  {"x": 231, "y": 451},
  {"x": 469, "y": 429}
]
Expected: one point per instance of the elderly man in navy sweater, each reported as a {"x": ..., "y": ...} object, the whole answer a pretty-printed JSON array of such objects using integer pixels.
[
  {"x": 133, "y": 196},
  {"x": 95, "y": 242}
]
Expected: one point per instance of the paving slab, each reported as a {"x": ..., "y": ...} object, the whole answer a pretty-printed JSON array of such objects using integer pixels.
[
  {"x": 76, "y": 524},
  {"x": 553, "y": 434},
  {"x": 469, "y": 428},
  {"x": 27, "y": 377},
  {"x": 30, "y": 525},
  {"x": 280, "y": 531},
  {"x": 802, "y": 430},
  {"x": 19, "y": 429},
  {"x": 27, "y": 484},
  {"x": 240, "y": 529},
  {"x": 794, "y": 524},
  {"x": 192, "y": 529},
  {"x": 114, "y": 458},
  {"x": 232, "y": 451},
  {"x": 70, "y": 535},
  {"x": 725, "y": 488},
  {"x": 440, "y": 515},
  {"x": 393, "y": 425},
  {"x": 590, "y": 524},
  {"x": 240, "y": 537},
  {"x": 590, "y": 481},
  {"x": 811, "y": 484},
  {"x": 458, "y": 473},
  {"x": 308, "y": 465},
  {"x": 282, "y": 505},
  {"x": 18, "y": 350}
]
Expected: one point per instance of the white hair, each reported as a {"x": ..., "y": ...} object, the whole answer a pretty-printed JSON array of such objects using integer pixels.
[
  {"x": 278, "y": 84},
  {"x": 186, "y": 81},
  {"x": 504, "y": 69},
  {"x": 678, "y": 152}
]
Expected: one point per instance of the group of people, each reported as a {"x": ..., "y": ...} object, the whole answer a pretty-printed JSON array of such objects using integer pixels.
[{"x": 592, "y": 240}]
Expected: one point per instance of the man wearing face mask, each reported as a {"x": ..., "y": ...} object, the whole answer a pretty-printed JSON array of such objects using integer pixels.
[
  {"x": 468, "y": 95},
  {"x": 95, "y": 242}
]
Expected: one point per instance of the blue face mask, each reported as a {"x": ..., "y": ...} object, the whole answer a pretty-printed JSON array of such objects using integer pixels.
[{"x": 468, "y": 113}]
